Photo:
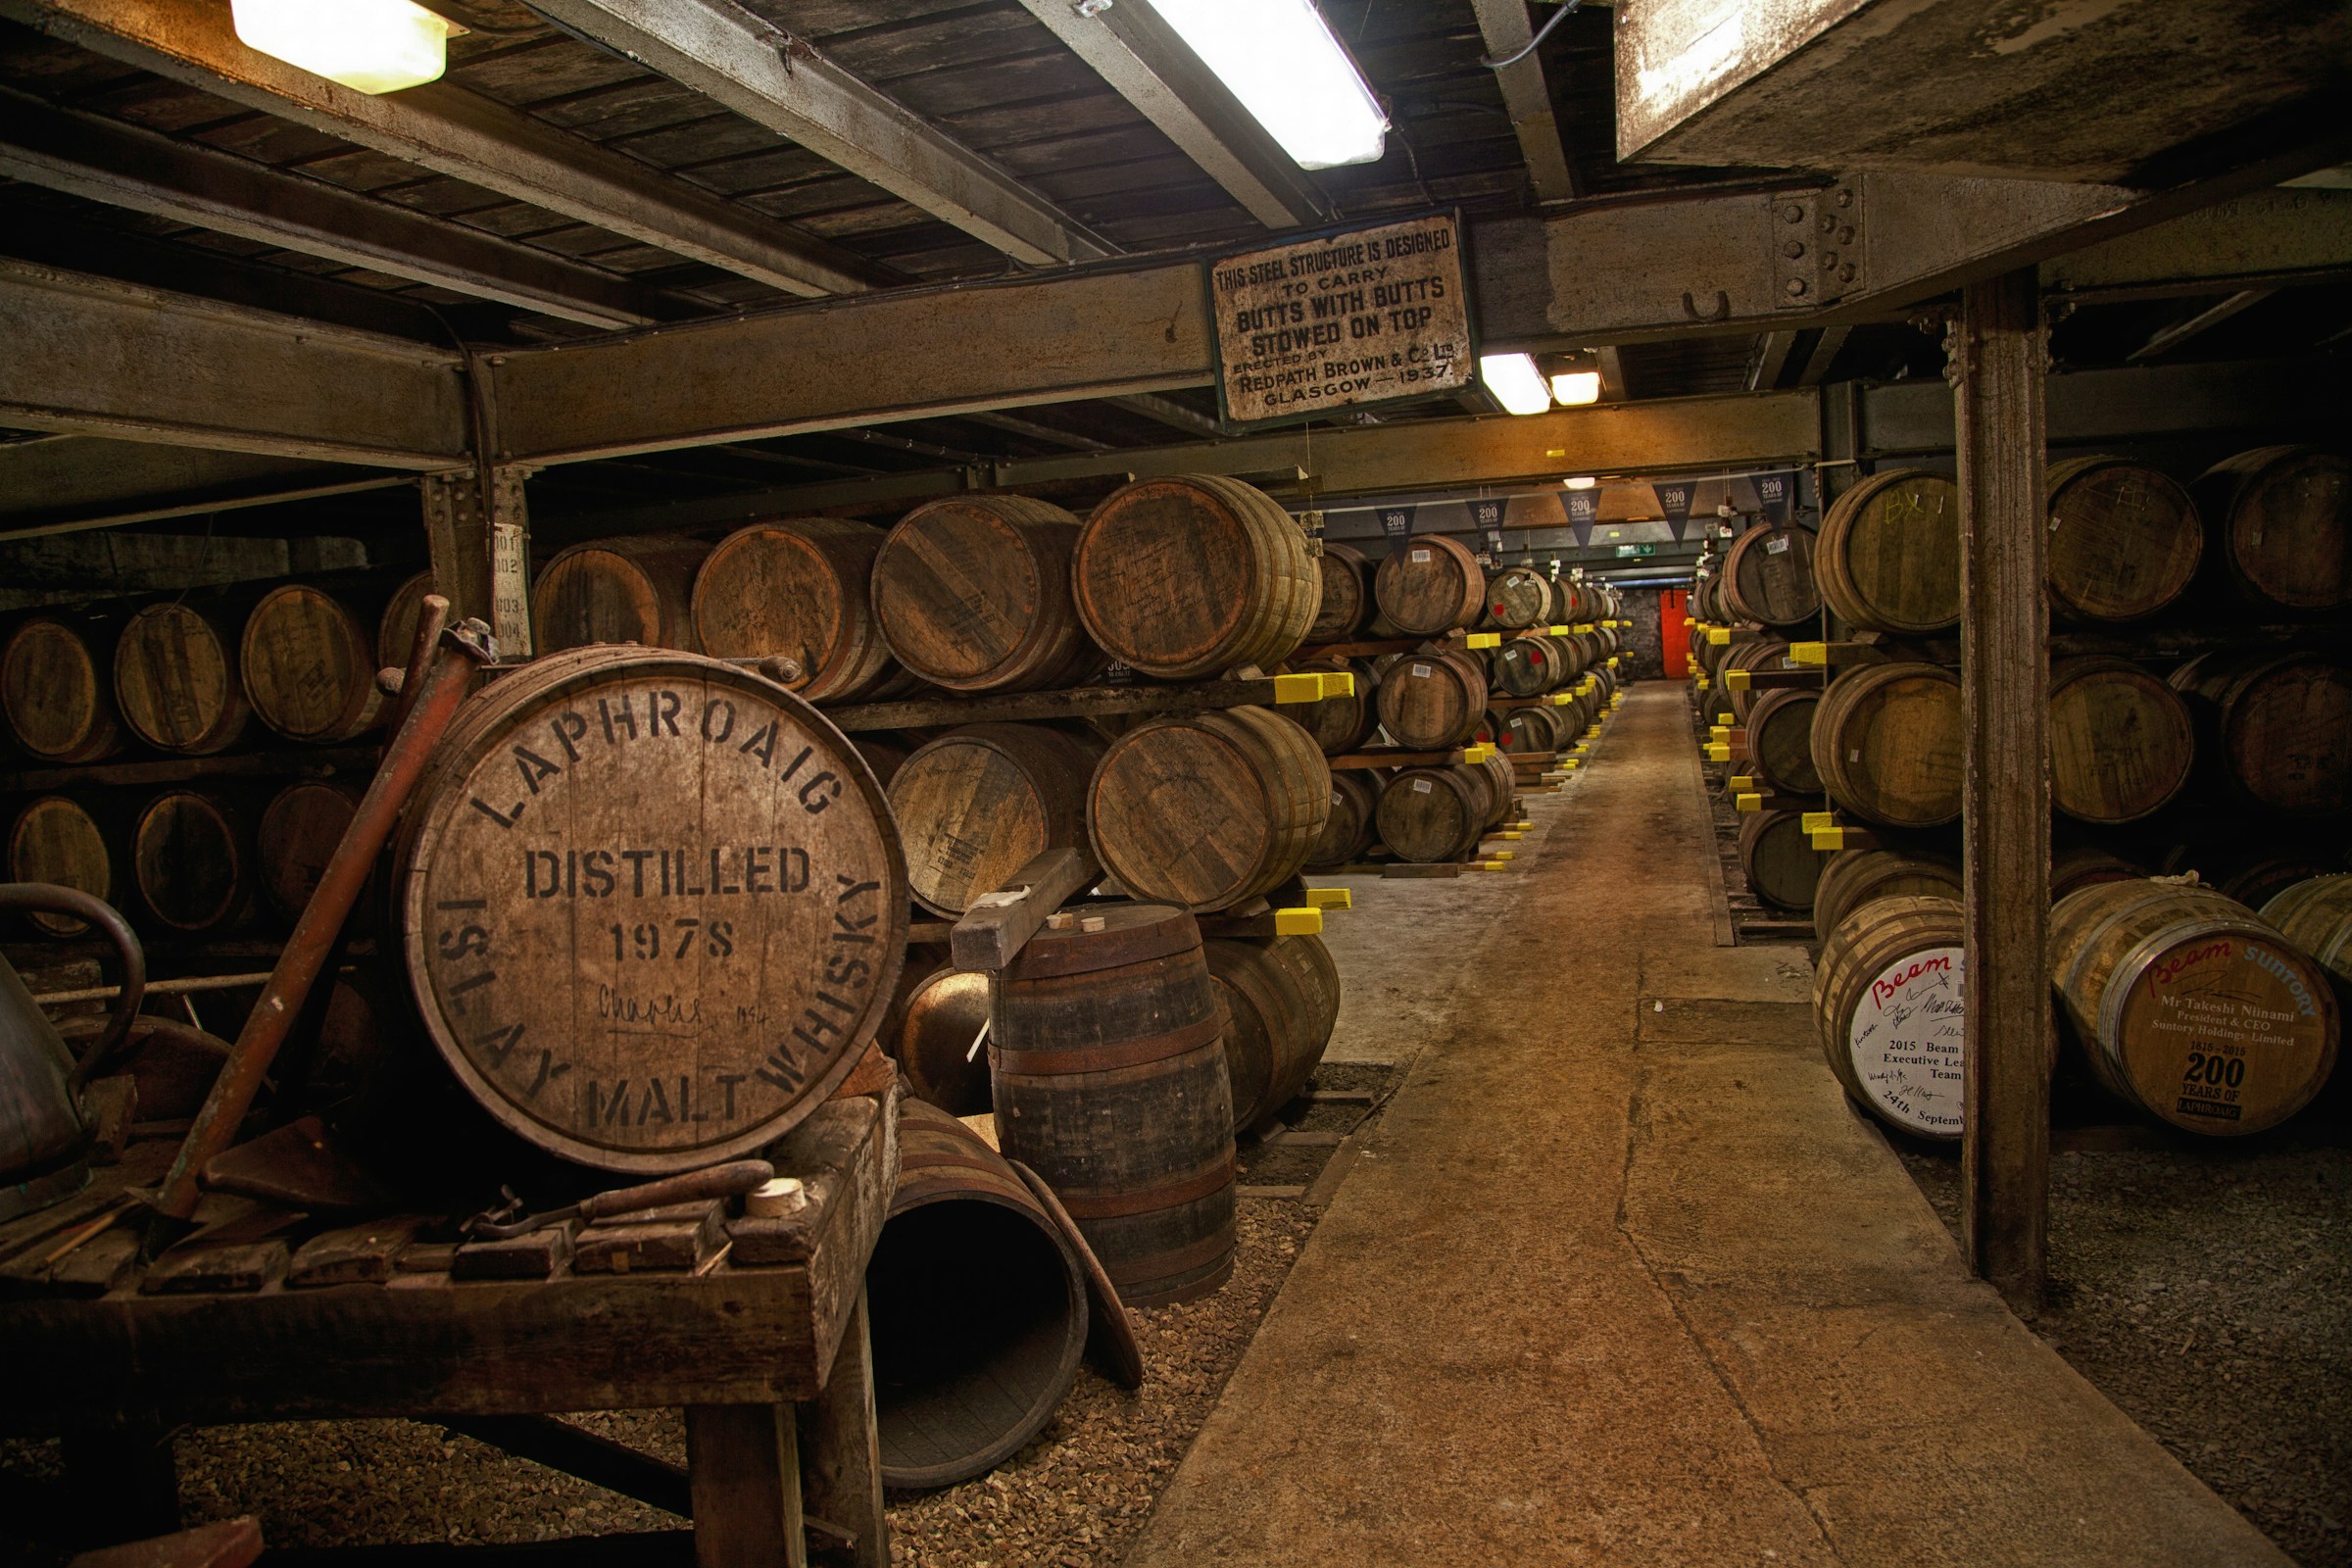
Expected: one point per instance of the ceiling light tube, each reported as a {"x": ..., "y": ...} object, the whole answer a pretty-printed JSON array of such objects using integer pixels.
[
  {"x": 1515, "y": 383},
  {"x": 1281, "y": 59},
  {"x": 370, "y": 46},
  {"x": 1573, "y": 388}
]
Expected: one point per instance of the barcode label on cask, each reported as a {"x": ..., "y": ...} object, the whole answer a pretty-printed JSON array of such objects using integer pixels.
[
  {"x": 1906, "y": 1043},
  {"x": 1421, "y": 786}
]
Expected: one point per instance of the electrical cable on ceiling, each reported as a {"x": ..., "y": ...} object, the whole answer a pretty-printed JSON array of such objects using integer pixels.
[{"x": 1535, "y": 44}]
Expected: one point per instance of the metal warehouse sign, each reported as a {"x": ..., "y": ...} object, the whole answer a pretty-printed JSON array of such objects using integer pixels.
[{"x": 1375, "y": 316}]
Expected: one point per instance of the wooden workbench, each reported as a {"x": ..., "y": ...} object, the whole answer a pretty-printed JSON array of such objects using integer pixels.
[{"x": 763, "y": 1345}]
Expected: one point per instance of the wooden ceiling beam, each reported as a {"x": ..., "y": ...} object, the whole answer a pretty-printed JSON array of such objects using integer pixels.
[{"x": 461, "y": 134}]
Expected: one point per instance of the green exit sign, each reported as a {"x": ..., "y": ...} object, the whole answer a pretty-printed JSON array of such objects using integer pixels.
[{"x": 1637, "y": 550}]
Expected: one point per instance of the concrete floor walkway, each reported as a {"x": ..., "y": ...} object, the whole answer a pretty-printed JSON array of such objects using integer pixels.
[{"x": 1622, "y": 1280}]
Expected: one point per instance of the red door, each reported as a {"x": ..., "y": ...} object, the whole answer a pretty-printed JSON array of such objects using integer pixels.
[{"x": 1674, "y": 633}]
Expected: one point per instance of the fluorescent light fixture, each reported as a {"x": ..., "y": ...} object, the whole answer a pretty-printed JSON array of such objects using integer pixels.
[
  {"x": 370, "y": 46},
  {"x": 1515, "y": 383},
  {"x": 1580, "y": 481},
  {"x": 1571, "y": 388},
  {"x": 1279, "y": 58}
]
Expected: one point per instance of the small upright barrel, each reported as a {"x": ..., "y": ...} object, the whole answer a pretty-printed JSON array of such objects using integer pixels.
[
  {"x": 1780, "y": 741},
  {"x": 192, "y": 864},
  {"x": 55, "y": 696},
  {"x": 1282, "y": 997},
  {"x": 2190, "y": 1006},
  {"x": 175, "y": 680},
  {"x": 2284, "y": 517},
  {"x": 2273, "y": 729},
  {"x": 1205, "y": 810},
  {"x": 1431, "y": 702},
  {"x": 973, "y": 594},
  {"x": 1107, "y": 1055},
  {"x": 1851, "y": 878},
  {"x": 1768, "y": 575},
  {"x": 1344, "y": 603},
  {"x": 631, "y": 590},
  {"x": 59, "y": 840},
  {"x": 982, "y": 801},
  {"x": 2124, "y": 539},
  {"x": 978, "y": 1308},
  {"x": 1887, "y": 744},
  {"x": 1430, "y": 584},
  {"x": 1193, "y": 575},
  {"x": 1888, "y": 1000},
  {"x": 2120, "y": 740},
  {"x": 798, "y": 588},
  {"x": 1890, "y": 553},
  {"x": 308, "y": 662},
  {"x": 1778, "y": 856},
  {"x": 2317, "y": 918}
]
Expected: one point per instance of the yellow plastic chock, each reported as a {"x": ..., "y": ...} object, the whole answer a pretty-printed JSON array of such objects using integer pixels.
[
  {"x": 1741, "y": 783},
  {"x": 1817, "y": 654},
  {"x": 1501, "y": 855},
  {"x": 1483, "y": 639},
  {"x": 1475, "y": 755},
  {"x": 1300, "y": 922},
  {"x": 1306, "y": 688},
  {"x": 1748, "y": 803},
  {"x": 1583, "y": 626},
  {"x": 1735, "y": 680},
  {"x": 1558, "y": 631},
  {"x": 1815, "y": 821},
  {"x": 1489, "y": 866},
  {"x": 1719, "y": 635},
  {"x": 1721, "y": 732},
  {"x": 1561, "y": 698},
  {"x": 1338, "y": 682},
  {"x": 1612, "y": 662},
  {"x": 1330, "y": 898},
  {"x": 1512, "y": 834},
  {"x": 1829, "y": 838},
  {"x": 1719, "y": 754}
]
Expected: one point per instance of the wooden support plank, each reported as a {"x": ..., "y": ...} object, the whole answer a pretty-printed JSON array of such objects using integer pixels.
[
  {"x": 841, "y": 1448},
  {"x": 993, "y": 929},
  {"x": 2000, "y": 356},
  {"x": 743, "y": 1467}
]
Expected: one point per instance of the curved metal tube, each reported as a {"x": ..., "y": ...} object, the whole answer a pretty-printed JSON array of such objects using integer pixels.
[{"x": 47, "y": 897}]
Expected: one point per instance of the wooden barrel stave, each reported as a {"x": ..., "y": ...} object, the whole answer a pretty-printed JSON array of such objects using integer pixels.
[
  {"x": 973, "y": 594},
  {"x": 192, "y": 861},
  {"x": 1350, "y": 828},
  {"x": 1277, "y": 1020},
  {"x": 55, "y": 696},
  {"x": 1517, "y": 598},
  {"x": 982, "y": 801},
  {"x": 2273, "y": 729},
  {"x": 1193, "y": 574},
  {"x": 1851, "y": 878},
  {"x": 930, "y": 1032},
  {"x": 2285, "y": 520},
  {"x": 296, "y": 840},
  {"x": 1887, "y": 744},
  {"x": 56, "y": 840},
  {"x": 1433, "y": 814},
  {"x": 2122, "y": 743},
  {"x": 800, "y": 589},
  {"x": 1205, "y": 810},
  {"x": 1344, "y": 594},
  {"x": 1778, "y": 857},
  {"x": 1780, "y": 741},
  {"x": 1888, "y": 559},
  {"x": 2316, "y": 916},
  {"x": 1432, "y": 701},
  {"x": 2124, "y": 539},
  {"x": 396, "y": 627},
  {"x": 1429, "y": 585},
  {"x": 1339, "y": 725},
  {"x": 175, "y": 680},
  {"x": 1888, "y": 1000},
  {"x": 307, "y": 661},
  {"x": 629, "y": 590},
  {"x": 1768, "y": 576}
]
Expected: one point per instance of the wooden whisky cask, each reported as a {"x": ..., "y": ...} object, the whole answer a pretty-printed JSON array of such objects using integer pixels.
[
  {"x": 2124, "y": 539},
  {"x": 1890, "y": 553},
  {"x": 2084, "y": 865},
  {"x": 2251, "y": 870},
  {"x": 1763, "y": 653},
  {"x": 191, "y": 863},
  {"x": 982, "y": 801},
  {"x": 1344, "y": 602},
  {"x": 296, "y": 839},
  {"x": 1430, "y": 584},
  {"x": 1434, "y": 814},
  {"x": 1887, "y": 744},
  {"x": 1768, "y": 576},
  {"x": 2283, "y": 520},
  {"x": 973, "y": 594},
  {"x": 1194, "y": 575},
  {"x": 1528, "y": 667},
  {"x": 2316, "y": 916},
  {"x": 2190, "y": 1006},
  {"x": 1852, "y": 878},
  {"x": 59, "y": 705},
  {"x": 1432, "y": 702},
  {"x": 931, "y": 1034},
  {"x": 629, "y": 590},
  {"x": 1205, "y": 811},
  {"x": 616, "y": 855},
  {"x": 1339, "y": 725},
  {"x": 1777, "y": 853},
  {"x": 1109, "y": 1068},
  {"x": 798, "y": 588},
  {"x": 1887, "y": 998},
  {"x": 1503, "y": 787},
  {"x": 1281, "y": 996},
  {"x": 2273, "y": 729},
  {"x": 977, "y": 1306},
  {"x": 175, "y": 680},
  {"x": 396, "y": 627},
  {"x": 1352, "y": 827},
  {"x": 2120, "y": 740},
  {"x": 308, "y": 665},
  {"x": 58, "y": 840},
  {"x": 1520, "y": 730},
  {"x": 1517, "y": 598},
  {"x": 1780, "y": 741}
]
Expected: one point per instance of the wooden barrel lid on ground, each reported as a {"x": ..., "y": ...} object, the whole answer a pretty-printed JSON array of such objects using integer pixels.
[
  {"x": 1105, "y": 1050},
  {"x": 1344, "y": 602},
  {"x": 299, "y": 831},
  {"x": 1887, "y": 1001},
  {"x": 1430, "y": 584},
  {"x": 978, "y": 1309},
  {"x": 2124, "y": 539},
  {"x": 973, "y": 594},
  {"x": 1887, "y": 744},
  {"x": 1890, "y": 553},
  {"x": 2120, "y": 740},
  {"x": 1517, "y": 598},
  {"x": 982, "y": 801},
  {"x": 396, "y": 627},
  {"x": 1205, "y": 810},
  {"x": 1851, "y": 878},
  {"x": 2316, "y": 915},
  {"x": 1780, "y": 741},
  {"x": 617, "y": 858},
  {"x": 798, "y": 588},
  {"x": 191, "y": 862},
  {"x": 1351, "y": 828},
  {"x": 2190, "y": 1007},
  {"x": 175, "y": 681},
  {"x": 1434, "y": 814},
  {"x": 1279, "y": 1009},
  {"x": 1432, "y": 702},
  {"x": 308, "y": 663},
  {"x": 931, "y": 1033},
  {"x": 1193, "y": 575},
  {"x": 56, "y": 840},
  {"x": 2275, "y": 728},
  {"x": 637, "y": 590},
  {"x": 1339, "y": 725},
  {"x": 1768, "y": 575},
  {"x": 58, "y": 702},
  {"x": 1778, "y": 856},
  {"x": 2284, "y": 516}
]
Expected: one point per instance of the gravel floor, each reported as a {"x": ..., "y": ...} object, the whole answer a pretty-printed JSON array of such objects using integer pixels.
[{"x": 2208, "y": 1293}]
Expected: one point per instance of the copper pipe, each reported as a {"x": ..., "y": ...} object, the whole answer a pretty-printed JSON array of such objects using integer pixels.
[
  {"x": 432, "y": 613},
  {"x": 447, "y": 680}
]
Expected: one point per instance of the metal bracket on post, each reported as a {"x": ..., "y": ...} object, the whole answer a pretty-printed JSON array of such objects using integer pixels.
[{"x": 479, "y": 535}]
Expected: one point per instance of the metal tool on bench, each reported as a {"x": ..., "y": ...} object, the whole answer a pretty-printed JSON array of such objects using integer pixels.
[
  {"x": 45, "y": 1129},
  {"x": 731, "y": 1180}
]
